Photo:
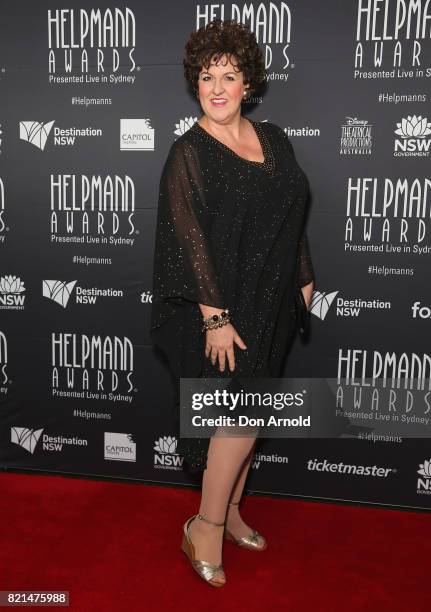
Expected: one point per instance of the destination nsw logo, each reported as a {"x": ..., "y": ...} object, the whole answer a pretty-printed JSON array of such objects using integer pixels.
[
  {"x": 60, "y": 292},
  {"x": 36, "y": 133},
  {"x": 92, "y": 367},
  {"x": 28, "y": 438},
  {"x": 92, "y": 209}
]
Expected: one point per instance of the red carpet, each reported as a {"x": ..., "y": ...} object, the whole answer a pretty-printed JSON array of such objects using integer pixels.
[{"x": 116, "y": 546}]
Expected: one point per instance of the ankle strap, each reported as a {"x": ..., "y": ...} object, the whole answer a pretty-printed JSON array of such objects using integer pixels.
[
  {"x": 234, "y": 503},
  {"x": 202, "y": 518}
]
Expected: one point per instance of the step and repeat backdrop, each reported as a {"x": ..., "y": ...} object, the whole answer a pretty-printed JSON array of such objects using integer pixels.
[{"x": 92, "y": 97}]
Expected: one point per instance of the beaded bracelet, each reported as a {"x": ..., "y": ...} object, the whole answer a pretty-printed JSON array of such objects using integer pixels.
[{"x": 215, "y": 320}]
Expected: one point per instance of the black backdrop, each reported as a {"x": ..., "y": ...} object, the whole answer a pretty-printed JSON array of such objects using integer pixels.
[{"x": 83, "y": 142}]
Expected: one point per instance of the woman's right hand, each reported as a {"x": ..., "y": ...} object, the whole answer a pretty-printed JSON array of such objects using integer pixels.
[{"x": 220, "y": 342}]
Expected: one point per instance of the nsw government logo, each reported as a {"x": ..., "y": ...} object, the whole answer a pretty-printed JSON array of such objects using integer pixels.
[
  {"x": 424, "y": 483},
  {"x": 166, "y": 456},
  {"x": 119, "y": 447},
  {"x": 413, "y": 138},
  {"x": 11, "y": 293}
]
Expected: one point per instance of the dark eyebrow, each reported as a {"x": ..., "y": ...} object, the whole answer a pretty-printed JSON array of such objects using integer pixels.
[{"x": 230, "y": 72}]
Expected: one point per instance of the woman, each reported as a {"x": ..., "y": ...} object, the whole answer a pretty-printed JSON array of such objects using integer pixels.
[{"x": 229, "y": 238}]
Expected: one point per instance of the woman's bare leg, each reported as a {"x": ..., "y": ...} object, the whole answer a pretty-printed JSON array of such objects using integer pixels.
[
  {"x": 225, "y": 458},
  {"x": 234, "y": 522}
]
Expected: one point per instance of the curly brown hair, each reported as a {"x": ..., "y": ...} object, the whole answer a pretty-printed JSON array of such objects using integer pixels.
[{"x": 228, "y": 37}]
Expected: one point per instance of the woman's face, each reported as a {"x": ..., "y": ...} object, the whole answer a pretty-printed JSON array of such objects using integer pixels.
[{"x": 221, "y": 89}]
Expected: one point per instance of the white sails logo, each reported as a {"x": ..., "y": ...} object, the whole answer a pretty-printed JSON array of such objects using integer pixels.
[
  {"x": 413, "y": 132},
  {"x": 34, "y": 132},
  {"x": 25, "y": 437},
  {"x": 11, "y": 293},
  {"x": 28, "y": 438},
  {"x": 58, "y": 291},
  {"x": 321, "y": 302},
  {"x": 37, "y": 133}
]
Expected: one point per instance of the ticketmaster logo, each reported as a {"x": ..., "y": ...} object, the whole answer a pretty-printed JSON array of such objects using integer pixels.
[
  {"x": 313, "y": 465},
  {"x": 34, "y": 132},
  {"x": 27, "y": 438},
  {"x": 58, "y": 291}
]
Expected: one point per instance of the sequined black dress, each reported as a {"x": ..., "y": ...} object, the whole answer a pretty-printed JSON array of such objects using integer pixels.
[{"x": 230, "y": 234}]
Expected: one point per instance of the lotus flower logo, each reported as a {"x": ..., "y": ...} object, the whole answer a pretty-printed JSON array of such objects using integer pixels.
[
  {"x": 414, "y": 127},
  {"x": 184, "y": 125},
  {"x": 11, "y": 284},
  {"x": 425, "y": 468},
  {"x": 166, "y": 445}
]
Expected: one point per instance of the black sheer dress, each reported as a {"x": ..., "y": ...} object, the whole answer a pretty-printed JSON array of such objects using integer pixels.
[{"x": 230, "y": 234}]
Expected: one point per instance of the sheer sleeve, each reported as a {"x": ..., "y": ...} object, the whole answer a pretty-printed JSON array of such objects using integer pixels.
[
  {"x": 304, "y": 268},
  {"x": 184, "y": 269},
  {"x": 305, "y": 272}
]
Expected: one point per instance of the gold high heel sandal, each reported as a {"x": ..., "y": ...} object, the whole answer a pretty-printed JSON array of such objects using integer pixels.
[
  {"x": 253, "y": 541},
  {"x": 206, "y": 570}
]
